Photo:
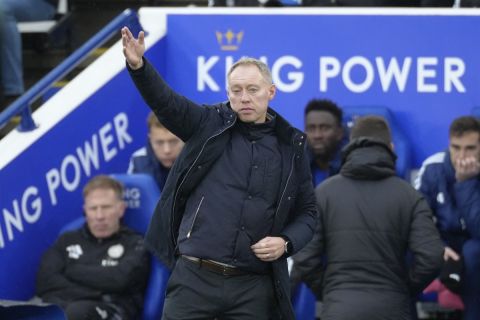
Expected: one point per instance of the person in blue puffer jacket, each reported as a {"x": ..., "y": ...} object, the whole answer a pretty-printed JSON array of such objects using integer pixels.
[
  {"x": 159, "y": 154},
  {"x": 450, "y": 181}
]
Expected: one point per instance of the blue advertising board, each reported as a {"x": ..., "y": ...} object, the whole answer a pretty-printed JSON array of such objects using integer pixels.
[{"x": 424, "y": 67}]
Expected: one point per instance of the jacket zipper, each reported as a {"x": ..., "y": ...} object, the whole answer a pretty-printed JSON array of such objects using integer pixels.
[
  {"x": 186, "y": 175},
  {"x": 288, "y": 180},
  {"x": 195, "y": 217},
  {"x": 286, "y": 185}
]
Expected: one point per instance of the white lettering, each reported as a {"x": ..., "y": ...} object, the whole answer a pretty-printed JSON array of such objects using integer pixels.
[
  {"x": 89, "y": 155},
  {"x": 53, "y": 182},
  {"x": 106, "y": 139},
  {"x": 357, "y": 74},
  {"x": 393, "y": 71},
  {"x": 70, "y": 186},
  {"x": 228, "y": 64},
  {"x": 346, "y": 74},
  {"x": 296, "y": 78},
  {"x": 329, "y": 68},
  {"x": 454, "y": 70},
  {"x": 423, "y": 72},
  {"x": 36, "y": 204},
  {"x": 203, "y": 77},
  {"x": 10, "y": 220},
  {"x": 121, "y": 124}
]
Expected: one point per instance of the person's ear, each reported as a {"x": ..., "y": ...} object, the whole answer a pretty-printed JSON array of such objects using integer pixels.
[
  {"x": 392, "y": 146},
  {"x": 123, "y": 208},
  {"x": 271, "y": 91}
]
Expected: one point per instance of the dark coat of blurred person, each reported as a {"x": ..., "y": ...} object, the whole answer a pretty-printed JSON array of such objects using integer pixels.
[{"x": 369, "y": 219}]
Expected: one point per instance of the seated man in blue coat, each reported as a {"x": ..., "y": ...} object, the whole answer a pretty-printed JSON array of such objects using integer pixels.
[
  {"x": 450, "y": 181},
  {"x": 158, "y": 156}
]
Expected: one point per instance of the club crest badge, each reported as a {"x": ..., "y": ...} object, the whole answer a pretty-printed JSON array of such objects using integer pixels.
[{"x": 116, "y": 251}]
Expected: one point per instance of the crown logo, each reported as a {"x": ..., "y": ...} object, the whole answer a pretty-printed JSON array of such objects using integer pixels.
[{"x": 229, "y": 41}]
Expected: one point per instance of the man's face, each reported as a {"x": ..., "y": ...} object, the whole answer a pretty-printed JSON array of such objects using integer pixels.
[
  {"x": 249, "y": 93},
  {"x": 323, "y": 133},
  {"x": 103, "y": 210},
  {"x": 464, "y": 146},
  {"x": 165, "y": 145}
]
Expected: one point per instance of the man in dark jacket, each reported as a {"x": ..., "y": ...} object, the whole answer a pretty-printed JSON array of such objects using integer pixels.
[
  {"x": 238, "y": 201},
  {"x": 99, "y": 271},
  {"x": 450, "y": 181},
  {"x": 158, "y": 156},
  {"x": 369, "y": 219}
]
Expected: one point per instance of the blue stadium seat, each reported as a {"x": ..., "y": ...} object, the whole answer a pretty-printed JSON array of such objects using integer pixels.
[
  {"x": 25, "y": 310},
  {"x": 304, "y": 302},
  {"x": 400, "y": 141},
  {"x": 141, "y": 195}
]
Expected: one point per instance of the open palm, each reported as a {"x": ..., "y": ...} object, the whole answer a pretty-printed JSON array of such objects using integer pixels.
[{"x": 133, "y": 49}]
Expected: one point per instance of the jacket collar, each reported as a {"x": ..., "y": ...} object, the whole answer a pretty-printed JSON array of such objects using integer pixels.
[
  {"x": 367, "y": 159},
  {"x": 285, "y": 132}
]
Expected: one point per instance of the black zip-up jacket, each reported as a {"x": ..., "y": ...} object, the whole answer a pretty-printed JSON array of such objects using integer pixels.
[
  {"x": 205, "y": 131},
  {"x": 369, "y": 219},
  {"x": 79, "y": 266}
]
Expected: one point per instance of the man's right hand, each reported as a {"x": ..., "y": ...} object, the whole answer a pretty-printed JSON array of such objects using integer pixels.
[
  {"x": 133, "y": 49},
  {"x": 449, "y": 253},
  {"x": 466, "y": 168}
]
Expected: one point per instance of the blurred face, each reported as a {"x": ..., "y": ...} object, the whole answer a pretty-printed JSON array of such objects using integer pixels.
[
  {"x": 249, "y": 93},
  {"x": 165, "y": 145},
  {"x": 323, "y": 133},
  {"x": 464, "y": 146},
  {"x": 103, "y": 210}
]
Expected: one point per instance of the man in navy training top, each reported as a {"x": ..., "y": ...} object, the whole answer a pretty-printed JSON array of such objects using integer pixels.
[
  {"x": 450, "y": 181},
  {"x": 158, "y": 156}
]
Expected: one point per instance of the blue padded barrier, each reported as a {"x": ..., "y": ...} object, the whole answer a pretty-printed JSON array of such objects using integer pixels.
[
  {"x": 304, "y": 302},
  {"x": 476, "y": 112}
]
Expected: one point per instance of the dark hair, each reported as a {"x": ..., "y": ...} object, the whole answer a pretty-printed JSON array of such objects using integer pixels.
[
  {"x": 375, "y": 127},
  {"x": 462, "y": 125},
  {"x": 327, "y": 106}
]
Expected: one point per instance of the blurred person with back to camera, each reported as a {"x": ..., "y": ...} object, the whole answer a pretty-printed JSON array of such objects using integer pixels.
[{"x": 369, "y": 219}]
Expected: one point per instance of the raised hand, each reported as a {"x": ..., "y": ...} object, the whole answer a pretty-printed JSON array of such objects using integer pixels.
[{"x": 133, "y": 49}]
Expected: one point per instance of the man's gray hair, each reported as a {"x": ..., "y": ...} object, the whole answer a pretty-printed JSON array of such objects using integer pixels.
[{"x": 245, "y": 61}]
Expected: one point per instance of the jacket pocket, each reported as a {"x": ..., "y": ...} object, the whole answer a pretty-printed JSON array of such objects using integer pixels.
[{"x": 195, "y": 217}]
